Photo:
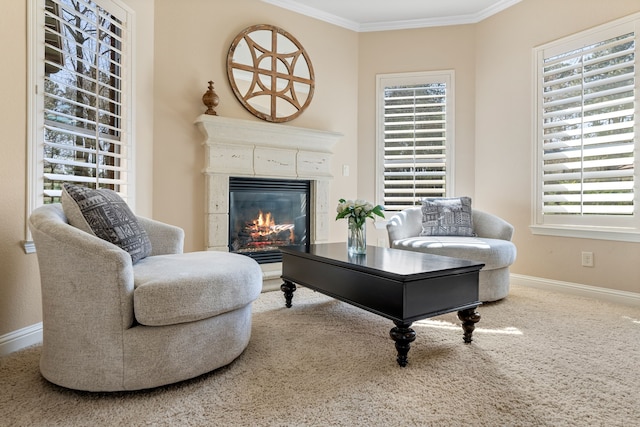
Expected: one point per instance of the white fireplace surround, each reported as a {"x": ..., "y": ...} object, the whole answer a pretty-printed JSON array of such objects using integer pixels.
[{"x": 243, "y": 148}]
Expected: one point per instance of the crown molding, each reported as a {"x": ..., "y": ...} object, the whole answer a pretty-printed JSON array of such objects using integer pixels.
[
  {"x": 474, "y": 18},
  {"x": 496, "y": 8},
  {"x": 312, "y": 12}
]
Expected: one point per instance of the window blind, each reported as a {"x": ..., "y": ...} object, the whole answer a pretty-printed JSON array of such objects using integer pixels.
[
  {"x": 415, "y": 122},
  {"x": 588, "y": 120},
  {"x": 83, "y": 96}
]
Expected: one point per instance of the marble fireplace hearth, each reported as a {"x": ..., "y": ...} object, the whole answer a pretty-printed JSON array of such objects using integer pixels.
[{"x": 244, "y": 148}]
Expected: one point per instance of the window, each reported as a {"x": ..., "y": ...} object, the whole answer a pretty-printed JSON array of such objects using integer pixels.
[
  {"x": 586, "y": 151},
  {"x": 80, "y": 74},
  {"x": 415, "y": 137}
]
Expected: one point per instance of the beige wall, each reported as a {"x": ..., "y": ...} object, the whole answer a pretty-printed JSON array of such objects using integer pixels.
[
  {"x": 503, "y": 145},
  {"x": 193, "y": 52},
  {"x": 19, "y": 286},
  {"x": 19, "y": 277},
  {"x": 182, "y": 45}
]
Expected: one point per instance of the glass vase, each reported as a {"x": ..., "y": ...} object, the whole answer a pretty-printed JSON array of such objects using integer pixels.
[{"x": 357, "y": 237}]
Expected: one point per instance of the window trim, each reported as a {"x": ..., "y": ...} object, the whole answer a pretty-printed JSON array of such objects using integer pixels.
[
  {"x": 418, "y": 77},
  {"x": 35, "y": 104},
  {"x": 601, "y": 227}
]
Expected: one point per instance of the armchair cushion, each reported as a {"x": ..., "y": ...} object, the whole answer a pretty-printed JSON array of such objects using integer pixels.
[
  {"x": 493, "y": 253},
  {"x": 103, "y": 213},
  {"x": 450, "y": 216},
  {"x": 167, "y": 293}
]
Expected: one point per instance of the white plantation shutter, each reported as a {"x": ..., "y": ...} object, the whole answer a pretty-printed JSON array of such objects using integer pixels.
[
  {"x": 587, "y": 113},
  {"x": 415, "y": 119},
  {"x": 83, "y": 137}
]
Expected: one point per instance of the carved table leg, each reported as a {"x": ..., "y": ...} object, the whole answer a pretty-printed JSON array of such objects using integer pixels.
[
  {"x": 469, "y": 318},
  {"x": 403, "y": 335},
  {"x": 288, "y": 288}
]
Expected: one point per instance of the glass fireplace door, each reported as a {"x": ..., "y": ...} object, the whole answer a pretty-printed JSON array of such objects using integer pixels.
[{"x": 266, "y": 214}]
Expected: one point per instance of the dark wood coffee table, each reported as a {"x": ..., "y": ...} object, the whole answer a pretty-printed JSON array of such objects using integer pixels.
[{"x": 400, "y": 285}]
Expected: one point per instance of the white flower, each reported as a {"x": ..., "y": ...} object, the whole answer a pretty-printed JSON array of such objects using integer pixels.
[{"x": 359, "y": 210}]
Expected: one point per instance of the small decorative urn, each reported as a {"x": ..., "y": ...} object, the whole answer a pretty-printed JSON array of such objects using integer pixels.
[{"x": 211, "y": 100}]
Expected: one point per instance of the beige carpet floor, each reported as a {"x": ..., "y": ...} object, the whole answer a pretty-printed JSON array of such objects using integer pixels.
[{"x": 538, "y": 359}]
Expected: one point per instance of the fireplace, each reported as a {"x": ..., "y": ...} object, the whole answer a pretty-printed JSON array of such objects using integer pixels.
[
  {"x": 267, "y": 214},
  {"x": 261, "y": 150}
]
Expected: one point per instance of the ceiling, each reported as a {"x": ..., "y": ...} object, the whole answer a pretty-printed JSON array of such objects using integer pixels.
[{"x": 379, "y": 15}]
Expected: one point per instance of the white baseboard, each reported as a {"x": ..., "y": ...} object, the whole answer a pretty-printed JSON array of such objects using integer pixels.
[
  {"x": 17, "y": 340},
  {"x": 603, "y": 294}
]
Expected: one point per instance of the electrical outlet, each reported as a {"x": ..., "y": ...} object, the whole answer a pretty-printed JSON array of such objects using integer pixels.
[{"x": 587, "y": 259}]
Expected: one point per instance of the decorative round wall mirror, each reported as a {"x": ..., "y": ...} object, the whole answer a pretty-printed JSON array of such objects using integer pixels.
[{"x": 270, "y": 73}]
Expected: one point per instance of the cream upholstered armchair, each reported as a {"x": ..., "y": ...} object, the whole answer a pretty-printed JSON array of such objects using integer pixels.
[
  {"x": 111, "y": 324},
  {"x": 488, "y": 241}
]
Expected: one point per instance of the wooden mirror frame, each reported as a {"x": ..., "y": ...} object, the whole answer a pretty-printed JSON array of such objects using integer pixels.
[{"x": 270, "y": 73}]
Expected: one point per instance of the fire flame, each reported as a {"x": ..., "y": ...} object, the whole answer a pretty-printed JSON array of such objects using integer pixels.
[
  {"x": 264, "y": 220},
  {"x": 264, "y": 231}
]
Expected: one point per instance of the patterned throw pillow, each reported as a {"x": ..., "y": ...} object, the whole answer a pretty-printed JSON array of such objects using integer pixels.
[
  {"x": 104, "y": 214},
  {"x": 447, "y": 217}
]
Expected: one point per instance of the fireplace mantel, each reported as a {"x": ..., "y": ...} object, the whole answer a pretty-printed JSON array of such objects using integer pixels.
[
  {"x": 246, "y": 132},
  {"x": 236, "y": 147}
]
